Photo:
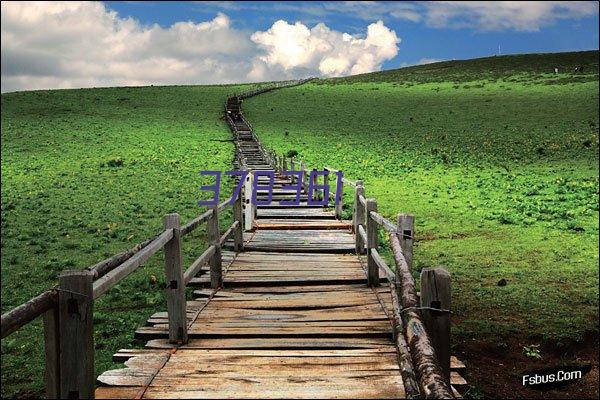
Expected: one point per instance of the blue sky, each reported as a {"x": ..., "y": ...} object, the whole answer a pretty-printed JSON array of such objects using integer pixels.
[
  {"x": 48, "y": 45},
  {"x": 419, "y": 41}
]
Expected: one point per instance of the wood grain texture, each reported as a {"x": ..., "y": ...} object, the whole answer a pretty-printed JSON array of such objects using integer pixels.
[
  {"x": 75, "y": 305},
  {"x": 175, "y": 282}
]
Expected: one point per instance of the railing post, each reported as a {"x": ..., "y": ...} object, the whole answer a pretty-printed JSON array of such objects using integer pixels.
[
  {"x": 75, "y": 309},
  {"x": 325, "y": 182},
  {"x": 303, "y": 175},
  {"x": 176, "y": 304},
  {"x": 292, "y": 164},
  {"x": 314, "y": 181},
  {"x": 248, "y": 205},
  {"x": 238, "y": 235},
  {"x": 284, "y": 166},
  {"x": 52, "y": 353},
  {"x": 436, "y": 294},
  {"x": 406, "y": 228},
  {"x": 214, "y": 237},
  {"x": 358, "y": 217},
  {"x": 371, "y": 229},
  {"x": 339, "y": 189}
]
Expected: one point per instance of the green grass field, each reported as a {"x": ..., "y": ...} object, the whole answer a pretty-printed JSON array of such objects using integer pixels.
[{"x": 497, "y": 158}]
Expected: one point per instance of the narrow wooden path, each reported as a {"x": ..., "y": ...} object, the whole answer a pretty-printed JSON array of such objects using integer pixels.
[{"x": 294, "y": 318}]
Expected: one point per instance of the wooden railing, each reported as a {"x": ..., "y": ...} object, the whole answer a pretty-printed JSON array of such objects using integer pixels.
[
  {"x": 422, "y": 323},
  {"x": 270, "y": 87},
  {"x": 68, "y": 308}
]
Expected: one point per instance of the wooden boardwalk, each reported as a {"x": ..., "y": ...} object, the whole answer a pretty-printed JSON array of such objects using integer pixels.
[
  {"x": 287, "y": 302},
  {"x": 294, "y": 318}
]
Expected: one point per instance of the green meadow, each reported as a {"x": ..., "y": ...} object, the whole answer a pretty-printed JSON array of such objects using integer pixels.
[{"x": 497, "y": 158}]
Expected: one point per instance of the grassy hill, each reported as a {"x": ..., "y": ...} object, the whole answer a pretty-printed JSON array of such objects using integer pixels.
[
  {"x": 515, "y": 68},
  {"x": 497, "y": 158}
]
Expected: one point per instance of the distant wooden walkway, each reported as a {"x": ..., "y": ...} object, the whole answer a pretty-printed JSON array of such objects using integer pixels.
[{"x": 294, "y": 317}]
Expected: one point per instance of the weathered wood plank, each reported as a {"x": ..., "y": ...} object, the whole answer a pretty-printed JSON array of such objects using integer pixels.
[{"x": 175, "y": 283}]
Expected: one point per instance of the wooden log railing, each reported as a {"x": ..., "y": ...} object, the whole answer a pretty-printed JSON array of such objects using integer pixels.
[
  {"x": 426, "y": 344},
  {"x": 68, "y": 308}
]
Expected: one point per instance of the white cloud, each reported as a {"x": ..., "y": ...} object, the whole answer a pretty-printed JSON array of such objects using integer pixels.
[
  {"x": 426, "y": 60},
  {"x": 322, "y": 49},
  {"x": 84, "y": 44},
  {"x": 422, "y": 61},
  {"x": 505, "y": 15},
  {"x": 479, "y": 15}
]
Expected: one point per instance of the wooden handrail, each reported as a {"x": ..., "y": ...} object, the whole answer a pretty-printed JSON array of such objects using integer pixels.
[
  {"x": 383, "y": 265},
  {"x": 23, "y": 314},
  {"x": 222, "y": 205},
  {"x": 362, "y": 200},
  {"x": 404, "y": 357},
  {"x": 193, "y": 224},
  {"x": 431, "y": 378},
  {"x": 383, "y": 222},
  {"x": 198, "y": 263},
  {"x": 363, "y": 233},
  {"x": 107, "y": 281},
  {"x": 103, "y": 267},
  {"x": 228, "y": 233}
]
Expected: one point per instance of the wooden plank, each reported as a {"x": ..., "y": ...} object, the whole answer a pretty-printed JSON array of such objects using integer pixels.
[
  {"x": 372, "y": 243},
  {"x": 456, "y": 379},
  {"x": 435, "y": 293},
  {"x": 76, "y": 334},
  {"x": 52, "y": 353},
  {"x": 275, "y": 343},
  {"x": 287, "y": 213},
  {"x": 320, "y": 386},
  {"x": 176, "y": 305},
  {"x": 109, "y": 392},
  {"x": 330, "y": 241},
  {"x": 288, "y": 224},
  {"x": 456, "y": 364}
]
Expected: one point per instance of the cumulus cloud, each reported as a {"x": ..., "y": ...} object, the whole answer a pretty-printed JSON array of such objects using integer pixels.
[
  {"x": 505, "y": 15},
  {"x": 321, "y": 49},
  {"x": 427, "y": 60},
  {"x": 84, "y": 44},
  {"x": 479, "y": 15},
  {"x": 72, "y": 44}
]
